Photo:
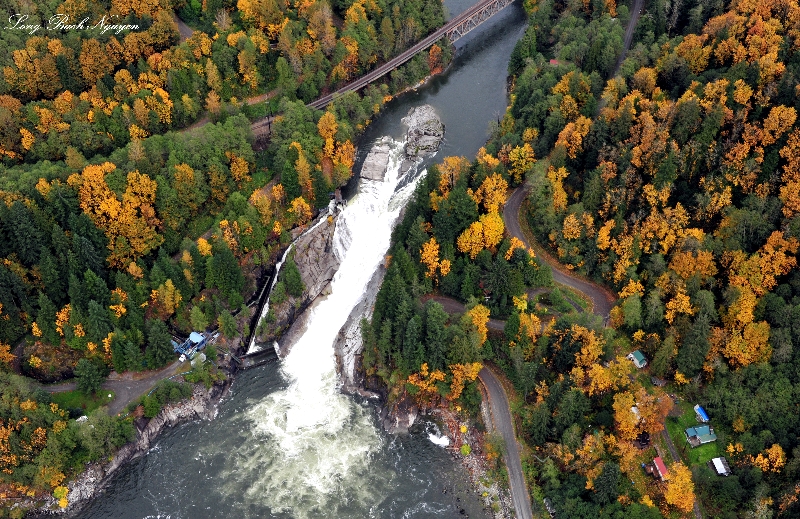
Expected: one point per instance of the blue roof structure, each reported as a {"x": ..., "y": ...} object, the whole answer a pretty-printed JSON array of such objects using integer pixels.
[
  {"x": 701, "y": 413},
  {"x": 196, "y": 341}
]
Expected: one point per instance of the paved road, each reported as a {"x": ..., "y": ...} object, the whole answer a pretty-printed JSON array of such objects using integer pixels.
[
  {"x": 601, "y": 298},
  {"x": 127, "y": 387},
  {"x": 453, "y": 306},
  {"x": 184, "y": 30},
  {"x": 636, "y": 12},
  {"x": 501, "y": 417}
]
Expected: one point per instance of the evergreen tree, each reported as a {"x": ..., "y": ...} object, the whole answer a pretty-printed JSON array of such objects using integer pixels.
[
  {"x": 223, "y": 272},
  {"x": 159, "y": 350},
  {"x": 198, "y": 318},
  {"x": 77, "y": 296},
  {"x": 133, "y": 355},
  {"x": 95, "y": 289},
  {"x": 227, "y": 325},
  {"x": 26, "y": 237},
  {"x": 413, "y": 350},
  {"x": 606, "y": 486},
  {"x": 291, "y": 278},
  {"x": 52, "y": 277},
  {"x": 46, "y": 320},
  {"x": 88, "y": 375},
  {"x": 98, "y": 322},
  {"x": 435, "y": 334}
]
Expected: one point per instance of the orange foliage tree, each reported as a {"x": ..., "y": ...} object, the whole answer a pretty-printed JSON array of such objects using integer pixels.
[
  {"x": 130, "y": 224},
  {"x": 462, "y": 373}
]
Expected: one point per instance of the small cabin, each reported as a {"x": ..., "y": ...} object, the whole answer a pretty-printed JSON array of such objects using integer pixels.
[
  {"x": 700, "y": 435},
  {"x": 720, "y": 466},
  {"x": 659, "y": 468},
  {"x": 638, "y": 359},
  {"x": 701, "y": 414}
]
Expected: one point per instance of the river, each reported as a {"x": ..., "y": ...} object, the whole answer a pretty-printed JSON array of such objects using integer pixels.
[{"x": 285, "y": 442}]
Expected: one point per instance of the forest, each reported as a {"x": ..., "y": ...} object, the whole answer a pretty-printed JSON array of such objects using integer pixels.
[
  {"x": 670, "y": 177},
  {"x": 138, "y": 204}
]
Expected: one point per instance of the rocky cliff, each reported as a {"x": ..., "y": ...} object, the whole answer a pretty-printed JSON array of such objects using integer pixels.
[
  {"x": 425, "y": 132},
  {"x": 423, "y": 138},
  {"x": 96, "y": 475},
  {"x": 313, "y": 254}
]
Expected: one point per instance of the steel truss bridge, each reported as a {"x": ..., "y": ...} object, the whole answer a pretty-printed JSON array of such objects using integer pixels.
[{"x": 454, "y": 30}]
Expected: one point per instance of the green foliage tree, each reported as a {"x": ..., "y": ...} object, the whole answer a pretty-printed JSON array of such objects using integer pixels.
[
  {"x": 292, "y": 279},
  {"x": 159, "y": 350},
  {"x": 198, "y": 318},
  {"x": 88, "y": 375}
]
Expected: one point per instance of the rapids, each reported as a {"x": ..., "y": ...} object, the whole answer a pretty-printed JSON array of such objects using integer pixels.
[{"x": 286, "y": 443}]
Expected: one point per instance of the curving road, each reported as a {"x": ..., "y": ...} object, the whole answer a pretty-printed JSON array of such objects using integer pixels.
[
  {"x": 501, "y": 417},
  {"x": 602, "y": 300}
]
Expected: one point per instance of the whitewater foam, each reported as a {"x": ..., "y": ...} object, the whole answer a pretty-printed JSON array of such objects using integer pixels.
[{"x": 319, "y": 442}]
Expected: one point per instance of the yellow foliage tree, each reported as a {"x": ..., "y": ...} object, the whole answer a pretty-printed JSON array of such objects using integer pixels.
[
  {"x": 425, "y": 382},
  {"x": 492, "y": 193},
  {"x": 479, "y": 315},
  {"x": 625, "y": 421},
  {"x": 493, "y": 229},
  {"x": 301, "y": 210},
  {"x": 328, "y": 127},
  {"x": 429, "y": 255},
  {"x": 166, "y": 299},
  {"x": 521, "y": 159},
  {"x": 130, "y": 224},
  {"x": 555, "y": 176},
  {"x": 471, "y": 240},
  {"x": 450, "y": 170},
  {"x": 462, "y": 373},
  {"x": 679, "y": 489},
  {"x": 571, "y": 228}
]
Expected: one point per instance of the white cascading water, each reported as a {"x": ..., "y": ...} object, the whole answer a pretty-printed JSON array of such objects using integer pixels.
[
  {"x": 319, "y": 442},
  {"x": 253, "y": 347}
]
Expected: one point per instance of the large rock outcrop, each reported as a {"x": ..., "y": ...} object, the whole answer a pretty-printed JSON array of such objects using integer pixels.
[
  {"x": 425, "y": 132},
  {"x": 315, "y": 259},
  {"x": 377, "y": 160}
]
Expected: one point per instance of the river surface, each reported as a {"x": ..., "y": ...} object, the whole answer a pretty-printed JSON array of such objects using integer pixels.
[{"x": 286, "y": 443}]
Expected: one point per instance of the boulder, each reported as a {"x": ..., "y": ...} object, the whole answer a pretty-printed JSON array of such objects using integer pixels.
[
  {"x": 425, "y": 132},
  {"x": 377, "y": 160}
]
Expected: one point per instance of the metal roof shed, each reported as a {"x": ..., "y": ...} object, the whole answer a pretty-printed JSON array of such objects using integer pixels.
[
  {"x": 661, "y": 469},
  {"x": 721, "y": 466}
]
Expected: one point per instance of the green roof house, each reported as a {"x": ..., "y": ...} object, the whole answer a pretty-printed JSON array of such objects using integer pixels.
[
  {"x": 638, "y": 359},
  {"x": 699, "y": 435}
]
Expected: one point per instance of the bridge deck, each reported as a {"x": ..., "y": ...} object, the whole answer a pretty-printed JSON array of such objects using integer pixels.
[{"x": 455, "y": 29}]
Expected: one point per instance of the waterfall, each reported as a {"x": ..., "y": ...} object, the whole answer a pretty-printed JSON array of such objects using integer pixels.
[
  {"x": 318, "y": 441},
  {"x": 253, "y": 347}
]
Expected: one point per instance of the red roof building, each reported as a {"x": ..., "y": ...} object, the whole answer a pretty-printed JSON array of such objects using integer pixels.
[{"x": 661, "y": 469}]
